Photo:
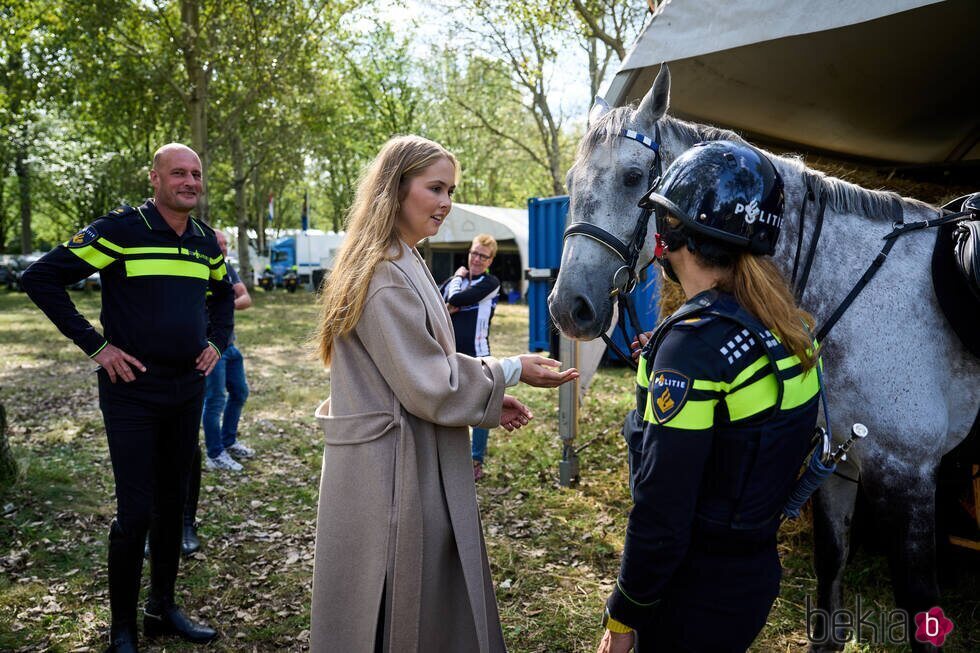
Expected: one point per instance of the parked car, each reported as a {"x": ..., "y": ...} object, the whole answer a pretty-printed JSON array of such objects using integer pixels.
[
  {"x": 5, "y": 272},
  {"x": 91, "y": 282},
  {"x": 17, "y": 267},
  {"x": 12, "y": 267}
]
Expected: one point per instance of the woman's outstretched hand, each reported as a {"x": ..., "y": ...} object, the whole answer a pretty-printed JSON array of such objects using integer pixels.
[
  {"x": 542, "y": 372},
  {"x": 514, "y": 414}
]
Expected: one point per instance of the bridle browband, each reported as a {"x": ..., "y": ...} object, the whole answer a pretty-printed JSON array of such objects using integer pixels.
[{"x": 626, "y": 276}]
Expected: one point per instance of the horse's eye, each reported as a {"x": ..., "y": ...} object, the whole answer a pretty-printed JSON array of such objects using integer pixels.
[{"x": 632, "y": 177}]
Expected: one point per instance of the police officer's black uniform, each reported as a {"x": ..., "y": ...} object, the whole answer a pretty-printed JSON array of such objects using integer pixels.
[
  {"x": 724, "y": 419},
  {"x": 155, "y": 308},
  {"x": 711, "y": 468}
]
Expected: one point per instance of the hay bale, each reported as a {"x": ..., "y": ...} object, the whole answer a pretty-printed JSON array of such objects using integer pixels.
[{"x": 671, "y": 296}]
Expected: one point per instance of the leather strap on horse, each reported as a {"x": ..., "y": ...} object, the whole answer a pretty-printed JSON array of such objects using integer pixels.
[
  {"x": 899, "y": 230},
  {"x": 625, "y": 308},
  {"x": 820, "y": 196}
]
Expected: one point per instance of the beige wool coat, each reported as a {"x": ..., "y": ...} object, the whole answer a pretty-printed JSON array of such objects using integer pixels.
[{"x": 397, "y": 520}]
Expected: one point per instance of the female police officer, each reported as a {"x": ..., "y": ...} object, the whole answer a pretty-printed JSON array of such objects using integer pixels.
[{"x": 727, "y": 416}]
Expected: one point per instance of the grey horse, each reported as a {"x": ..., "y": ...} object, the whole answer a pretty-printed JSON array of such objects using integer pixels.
[{"x": 892, "y": 362}]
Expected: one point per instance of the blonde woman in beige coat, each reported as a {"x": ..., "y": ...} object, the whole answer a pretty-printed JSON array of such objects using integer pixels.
[{"x": 401, "y": 564}]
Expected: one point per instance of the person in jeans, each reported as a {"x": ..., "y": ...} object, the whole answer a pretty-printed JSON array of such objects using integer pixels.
[
  {"x": 224, "y": 397},
  {"x": 226, "y": 392},
  {"x": 471, "y": 296}
]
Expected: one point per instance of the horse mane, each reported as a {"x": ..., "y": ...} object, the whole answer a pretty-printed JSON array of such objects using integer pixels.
[
  {"x": 604, "y": 130},
  {"x": 842, "y": 195},
  {"x": 683, "y": 131},
  {"x": 609, "y": 126}
]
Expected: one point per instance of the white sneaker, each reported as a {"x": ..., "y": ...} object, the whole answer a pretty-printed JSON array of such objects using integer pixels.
[
  {"x": 239, "y": 450},
  {"x": 223, "y": 461}
]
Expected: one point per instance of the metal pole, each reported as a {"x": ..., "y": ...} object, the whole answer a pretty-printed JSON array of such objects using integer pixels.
[{"x": 568, "y": 394}]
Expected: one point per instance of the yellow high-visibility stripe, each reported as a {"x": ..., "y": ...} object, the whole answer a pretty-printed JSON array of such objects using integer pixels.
[
  {"x": 786, "y": 363},
  {"x": 109, "y": 245},
  {"x": 216, "y": 259},
  {"x": 166, "y": 267},
  {"x": 800, "y": 389},
  {"x": 219, "y": 273},
  {"x": 92, "y": 256},
  {"x": 153, "y": 250},
  {"x": 752, "y": 399},
  {"x": 762, "y": 394},
  {"x": 693, "y": 415},
  {"x": 642, "y": 378},
  {"x": 743, "y": 376},
  {"x": 177, "y": 251}
]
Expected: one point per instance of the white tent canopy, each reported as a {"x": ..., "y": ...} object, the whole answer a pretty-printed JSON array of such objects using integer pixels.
[
  {"x": 467, "y": 220},
  {"x": 892, "y": 81}
]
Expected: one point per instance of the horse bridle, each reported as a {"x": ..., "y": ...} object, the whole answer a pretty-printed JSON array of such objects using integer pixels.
[{"x": 627, "y": 276}]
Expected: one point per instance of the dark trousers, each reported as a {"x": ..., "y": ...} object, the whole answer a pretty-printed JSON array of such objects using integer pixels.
[
  {"x": 717, "y": 603},
  {"x": 151, "y": 425}
]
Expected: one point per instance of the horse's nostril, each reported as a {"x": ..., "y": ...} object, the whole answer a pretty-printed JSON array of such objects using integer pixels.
[{"x": 582, "y": 311}]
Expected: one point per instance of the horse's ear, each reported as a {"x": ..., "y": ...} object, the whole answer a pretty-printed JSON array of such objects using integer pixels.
[
  {"x": 655, "y": 102},
  {"x": 598, "y": 110}
]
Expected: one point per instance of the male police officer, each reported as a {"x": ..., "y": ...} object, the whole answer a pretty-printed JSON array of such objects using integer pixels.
[{"x": 162, "y": 336}]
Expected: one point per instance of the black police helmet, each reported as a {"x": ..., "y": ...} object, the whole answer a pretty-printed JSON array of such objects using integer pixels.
[{"x": 722, "y": 190}]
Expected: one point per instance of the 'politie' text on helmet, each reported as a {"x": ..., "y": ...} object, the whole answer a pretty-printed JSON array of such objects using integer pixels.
[{"x": 722, "y": 190}]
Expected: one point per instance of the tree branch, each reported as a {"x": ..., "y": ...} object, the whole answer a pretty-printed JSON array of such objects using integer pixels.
[
  {"x": 590, "y": 20},
  {"x": 502, "y": 134}
]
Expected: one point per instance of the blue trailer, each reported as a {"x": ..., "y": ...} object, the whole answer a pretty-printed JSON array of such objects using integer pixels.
[{"x": 547, "y": 218}]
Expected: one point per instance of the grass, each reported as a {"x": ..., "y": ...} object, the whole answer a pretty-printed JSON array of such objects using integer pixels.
[{"x": 554, "y": 551}]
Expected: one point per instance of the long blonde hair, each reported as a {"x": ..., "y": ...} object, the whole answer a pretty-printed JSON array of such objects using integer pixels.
[
  {"x": 760, "y": 288},
  {"x": 371, "y": 233}
]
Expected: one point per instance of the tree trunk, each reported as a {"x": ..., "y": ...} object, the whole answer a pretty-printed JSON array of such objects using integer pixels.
[
  {"x": 8, "y": 465},
  {"x": 260, "y": 210},
  {"x": 241, "y": 210},
  {"x": 4, "y": 225},
  {"x": 22, "y": 170},
  {"x": 197, "y": 99}
]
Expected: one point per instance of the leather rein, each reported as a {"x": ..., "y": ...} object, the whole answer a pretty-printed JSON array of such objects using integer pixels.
[{"x": 626, "y": 276}]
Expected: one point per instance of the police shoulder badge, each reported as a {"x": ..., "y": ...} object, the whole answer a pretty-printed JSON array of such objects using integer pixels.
[
  {"x": 86, "y": 236},
  {"x": 668, "y": 392}
]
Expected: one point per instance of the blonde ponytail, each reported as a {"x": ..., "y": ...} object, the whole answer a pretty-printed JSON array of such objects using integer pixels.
[{"x": 760, "y": 288}]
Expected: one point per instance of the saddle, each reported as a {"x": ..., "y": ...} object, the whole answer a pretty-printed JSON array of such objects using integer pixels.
[{"x": 956, "y": 272}]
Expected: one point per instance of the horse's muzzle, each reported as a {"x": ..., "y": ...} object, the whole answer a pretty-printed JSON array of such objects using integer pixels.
[{"x": 576, "y": 316}]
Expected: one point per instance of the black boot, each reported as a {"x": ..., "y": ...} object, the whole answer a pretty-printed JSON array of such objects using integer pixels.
[
  {"x": 125, "y": 569},
  {"x": 159, "y": 620},
  {"x": 122, "y": 640},
  {"x": 189, "y": 543},
  {"x": 165, "y": 535}
]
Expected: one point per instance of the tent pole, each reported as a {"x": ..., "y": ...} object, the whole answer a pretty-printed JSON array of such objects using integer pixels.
[{"x": 568, "y": 472}]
